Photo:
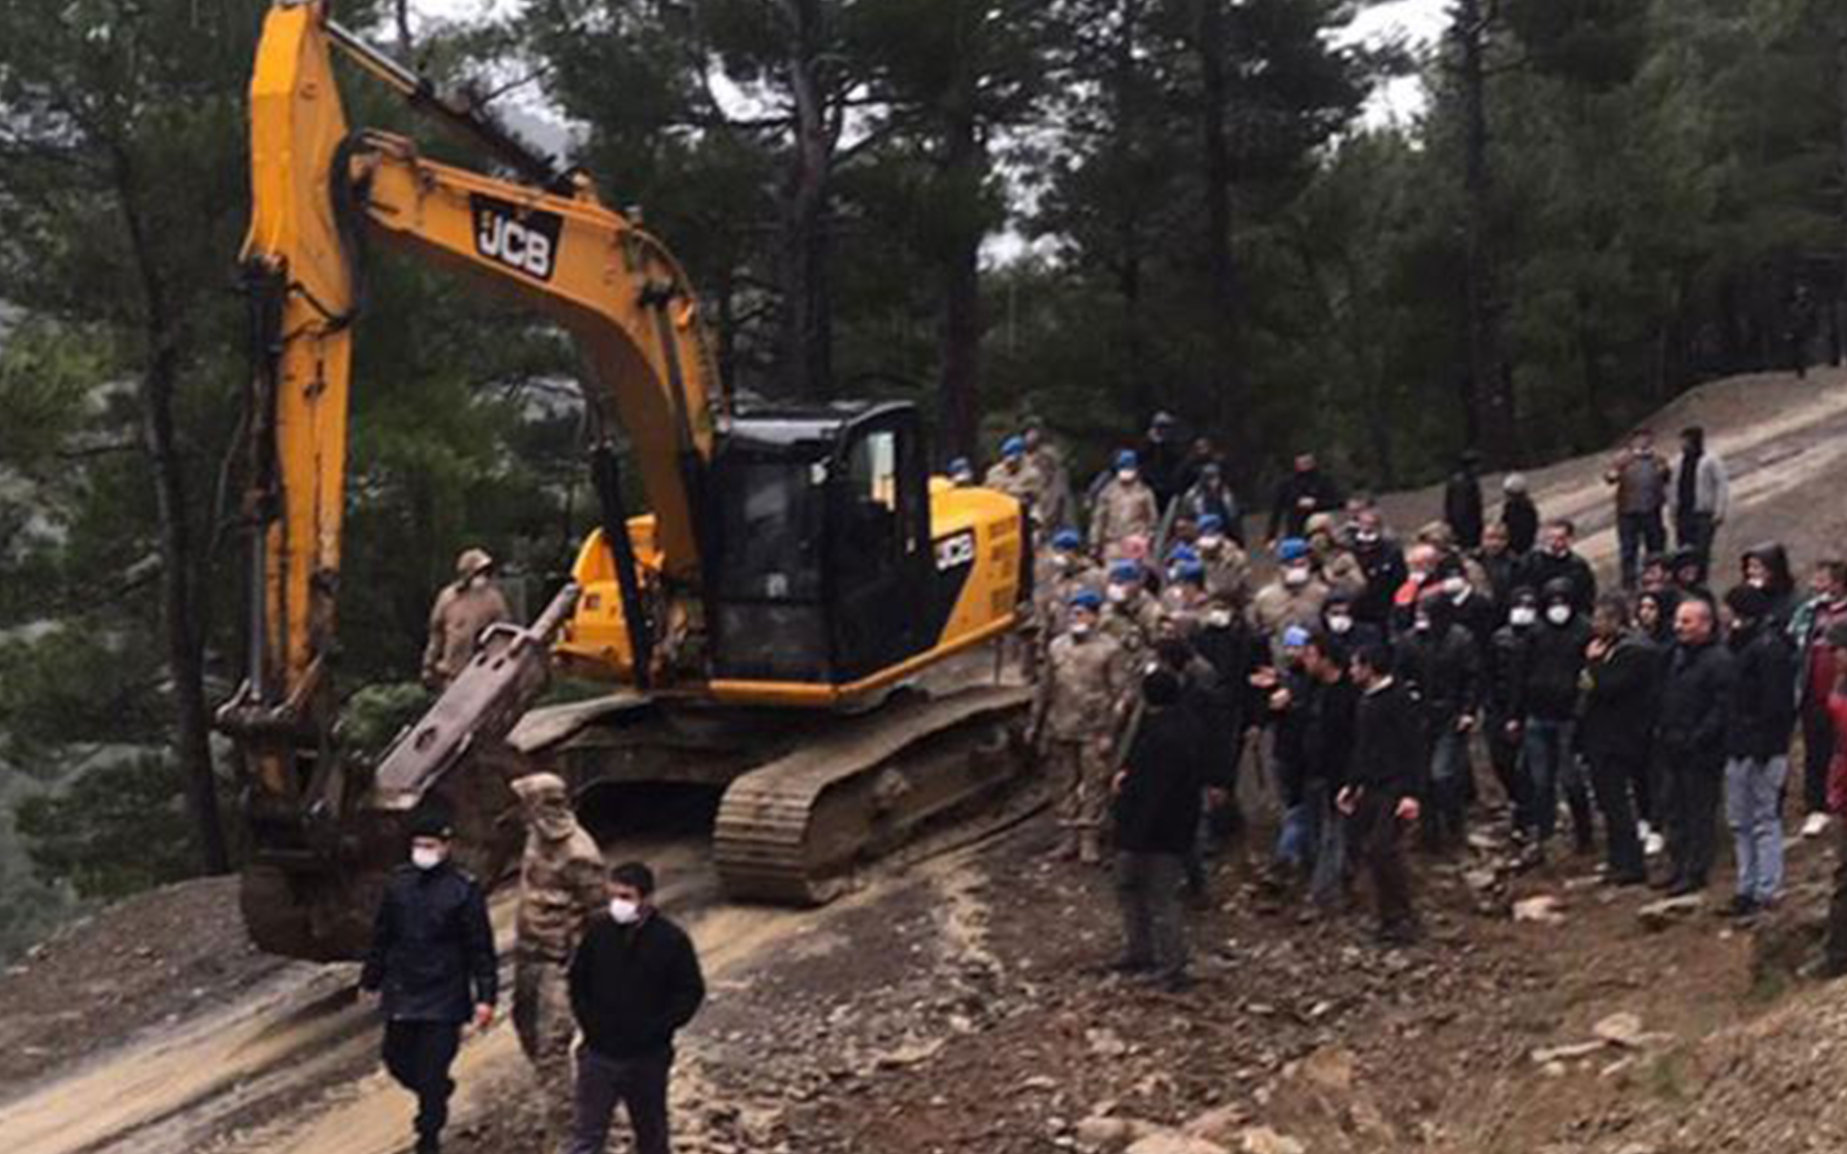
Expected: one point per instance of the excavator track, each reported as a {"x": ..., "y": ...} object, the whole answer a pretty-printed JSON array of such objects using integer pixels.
[{"x": 795, "y": 831}]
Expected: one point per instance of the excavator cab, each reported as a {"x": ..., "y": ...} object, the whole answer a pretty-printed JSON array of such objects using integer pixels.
[{"x": 821, "y": 554}]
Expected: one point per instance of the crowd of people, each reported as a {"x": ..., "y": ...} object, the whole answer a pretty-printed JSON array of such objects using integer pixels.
[{"x": 1363, "y": 676}]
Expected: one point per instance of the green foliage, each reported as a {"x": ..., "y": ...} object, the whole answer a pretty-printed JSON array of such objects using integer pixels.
[{"x": 118, "y": 828}]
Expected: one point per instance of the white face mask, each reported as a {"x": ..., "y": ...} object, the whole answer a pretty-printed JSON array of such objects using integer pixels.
[
  {"x": 1523, "y": 616},
  {"x": 1757, "y": 582},
  {"x": 1118, "y": 593},
  {"x": 1558, "y": 614},
  {"x": 1455, "y": 585},
  {"x": 1421, "y": 625},
  {"x": 625, "y": 912},
  {"x": 1219, "y": 618},
  {"x": 1210, "y": 543},
  {"x": 1295, "y": 576},
  {"x": 1126, "y": 476},
  {"x": 425, "y": 858},
  {"x": 1340, "y": 624},
  {"x": 1366, "y": 537}
]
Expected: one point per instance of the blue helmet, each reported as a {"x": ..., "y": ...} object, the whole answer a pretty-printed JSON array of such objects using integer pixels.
[
  {"x": 960, "y": 467},
  {"x": 1067, "y": 540},
  {"x": 1126, "y": 571},
  {"x": 1211, "y": 523},
  {"x": 1127, "y": 460},
  {"x": 1295, "y": 637},
  {"x": 1291, "y": 549},
  {"x": 1183, "y": 554},
  {"x": 1085, "y": 599},
  {"x": 1013, "y": 447},
  {"x": 1190, "y": 571}
]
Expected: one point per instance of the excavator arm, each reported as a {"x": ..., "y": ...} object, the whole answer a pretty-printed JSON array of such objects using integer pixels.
[{"x": 320, "y": 191}]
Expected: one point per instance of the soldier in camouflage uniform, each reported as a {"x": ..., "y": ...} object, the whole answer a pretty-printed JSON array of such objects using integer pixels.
[
  {"x": 1074, "y": 715},
  {"x": 561, "y": 883},
  {"x": 1183, "y": 601},
  {"x": 1228, "y": 569},
  {"x": 1016, "y": 476},
  {"x": 1130, "y": 612},
  {"x": 1066, "y": 572},
  {"x": 1125, "y": 507}
]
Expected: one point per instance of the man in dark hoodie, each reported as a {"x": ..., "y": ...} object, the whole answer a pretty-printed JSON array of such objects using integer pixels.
[
  {"x": 1693, "y": 728},
  {"x": 1548, "y": 696},
  {"x": 1620, "y": 686},
  {"x": 1763, "y": 720},
  {"x": 1766, "y": 568},
  {"x": 1382, "y": 788},
  {"x": 1157, "y": 797},
  {"x": 1439, "y": 665}
]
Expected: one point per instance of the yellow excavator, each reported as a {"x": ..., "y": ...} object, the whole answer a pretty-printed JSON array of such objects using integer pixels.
[{"x": 767, "y": 623}]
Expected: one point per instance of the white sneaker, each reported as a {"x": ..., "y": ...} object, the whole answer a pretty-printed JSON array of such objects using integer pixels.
[
  {"x": 1654, "y": 845},
  {"x": 1816, "y": 825}
]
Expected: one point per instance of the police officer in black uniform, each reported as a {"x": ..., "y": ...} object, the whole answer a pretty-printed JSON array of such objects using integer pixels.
[{"x": 432, "y": 961}]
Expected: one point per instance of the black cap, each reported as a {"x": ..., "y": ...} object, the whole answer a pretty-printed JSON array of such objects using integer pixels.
[{"x": 431, "y": 818}]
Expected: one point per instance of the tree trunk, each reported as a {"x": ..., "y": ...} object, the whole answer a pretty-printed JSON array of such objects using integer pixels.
[
  {"x": 1841, "y": 82},
  {"x": 1225, "y": 378},
  {"x": 181, "y": 612},
  {"x": 1127, "y": 128},
  {"x": 806, "y": 351},
  {"x": 402, "y": 16},
  {"x": 964, "y": 164},
  {"x": 1491, "y": 418}
]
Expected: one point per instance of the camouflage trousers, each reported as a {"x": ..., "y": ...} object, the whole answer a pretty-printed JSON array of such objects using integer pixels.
[
  {"x": 542, "y": 1018},
  {"x": 1080, "y": 779}
]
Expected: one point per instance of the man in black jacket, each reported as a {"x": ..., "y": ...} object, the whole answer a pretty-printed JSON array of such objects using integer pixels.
[
  {"x": 1763, "y": 720},
  {"x": 1620, "y": 689},
  {"x": 432, "y": 961},
  {"x": 1506, "y": 670},
  {"x": 1157, "y": 817},
  {"x": 635, "y": 980},
  {"x": 1462, "y": 501},
  {"x": 1303, "y": 493},
  {"x": 1438, "y": 665},
  {"x": 1327, "y": 746},
  {"x": 1227, "y": 644},
  {"x": 1382, "y": 788},
  {"x": 1558, "y": 560},
  {"x": 1694, "y": 727},
  {"x": 1382, "y": 561},
  {"x": 1548, "y": 705}
]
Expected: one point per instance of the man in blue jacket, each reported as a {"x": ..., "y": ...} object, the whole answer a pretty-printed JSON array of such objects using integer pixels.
[{"x": 432, "y": 962}]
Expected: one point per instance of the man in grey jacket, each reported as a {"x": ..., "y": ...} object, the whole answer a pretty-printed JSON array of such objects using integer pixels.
[{"x": 1702, "y": 496}]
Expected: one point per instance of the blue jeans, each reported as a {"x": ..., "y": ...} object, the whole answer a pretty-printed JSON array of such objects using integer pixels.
[
  {"x": 1449, "y": 794},
  {"x": 1552, "y": 762},
  {"x": 1296, "y": 839},
  {"x": 1753, "y": 793}
]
